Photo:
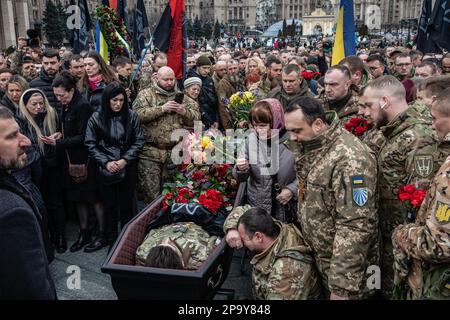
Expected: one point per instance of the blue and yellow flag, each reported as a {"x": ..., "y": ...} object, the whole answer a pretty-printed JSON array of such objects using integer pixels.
[
  {"x": 100, "y": 44},
  {"x": 344, "y": 41},
  {"x": 125, "y": 44}
]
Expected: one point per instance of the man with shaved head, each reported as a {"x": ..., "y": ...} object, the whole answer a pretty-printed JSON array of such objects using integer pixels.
[
  {"x": 160, "y": 115},
  {"x": 408, "y": 156}
]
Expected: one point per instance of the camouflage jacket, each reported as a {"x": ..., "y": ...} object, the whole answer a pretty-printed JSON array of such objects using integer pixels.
[
  {"x": 409, "y": 155},
  {"x": 347, "y": 111},
  {"x": 279, "y": 94},
  {"x": 421, "y": 109},
  {"x": 282, "y": 271},
  {"x": 158, "y": 125},
  {"x": 194, "y": 243},
  {"x": 225, "y": 89},
  {"x": 265, "y": 86},
  {"x": 425, "y": 245},
  {"x": 146, "y": 81},
  {"x": 374, "y": 139},
  {"x": 337, "y": 208}
]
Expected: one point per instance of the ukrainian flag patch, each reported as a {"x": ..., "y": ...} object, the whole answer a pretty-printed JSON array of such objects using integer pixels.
[{"x": 360, "y": 193}]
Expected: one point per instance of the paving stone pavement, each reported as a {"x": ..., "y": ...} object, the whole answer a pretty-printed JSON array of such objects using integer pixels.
[{"x": 96, "y": 285}]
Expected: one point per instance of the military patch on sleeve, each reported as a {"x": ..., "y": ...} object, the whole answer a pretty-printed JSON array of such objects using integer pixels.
[
  {"x": 442, "y": 212},
  {"x": 423, "y": 165},
  {"x": 360, "y": 192}
]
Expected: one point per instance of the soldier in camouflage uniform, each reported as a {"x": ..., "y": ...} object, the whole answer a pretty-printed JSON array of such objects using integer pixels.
[
  {"x": 409, "y": 155},
  {"x": 282, "y": 267},
  {"x": 337, "y": 208},
  {"x": 160, "y": 116},
  {"x": 293, "y": 86},
  {"x": 190, "y": 241},
  {"x": 422, "y": 249},
  {"x": 338, "y": 94},
  {"x": 272, "y": 78},
  {"x": 149, "y": 78}
]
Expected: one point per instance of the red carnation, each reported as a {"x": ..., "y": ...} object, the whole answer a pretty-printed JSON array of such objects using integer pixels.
[
  {"x": 417, "y": 198},
  {"x": 359, "y": 131},
  {"x": 409, "y": 188},
  {"x": 404, "y": 196},
  {"x": 198, "y": 175}
]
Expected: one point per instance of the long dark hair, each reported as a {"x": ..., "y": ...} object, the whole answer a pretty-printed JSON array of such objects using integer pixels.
[
  {"x": 107, "y": 74},
  {"x": 113, "y": 90}
]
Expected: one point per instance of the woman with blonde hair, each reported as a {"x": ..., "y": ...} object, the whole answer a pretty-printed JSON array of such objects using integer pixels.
[
  {"x": 255, "y": 64},
  {"x": 41, "y": 120},
  {"x": 15, "y": 86}
]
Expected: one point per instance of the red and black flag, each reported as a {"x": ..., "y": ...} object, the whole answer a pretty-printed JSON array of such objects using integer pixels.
[{"x": 170, "y": 36}]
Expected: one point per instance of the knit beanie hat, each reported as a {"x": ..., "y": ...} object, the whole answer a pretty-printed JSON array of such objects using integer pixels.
[
  {"x": 203, "y": 61},
  {"x": 191, "y": 81}
]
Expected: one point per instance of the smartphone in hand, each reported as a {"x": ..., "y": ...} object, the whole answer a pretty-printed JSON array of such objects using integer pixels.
[{"x": 179, "y": 97}]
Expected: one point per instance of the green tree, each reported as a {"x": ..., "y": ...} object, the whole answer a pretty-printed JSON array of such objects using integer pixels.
[
  {"x": 216, "y": 32},
  {"x": 198, "y": 31},
  {"x": 284, "y": 30},
  {"x": 190, "y": 29},
  {"x": 54, "y": 24},
  {"x": 207, "y": 30}
]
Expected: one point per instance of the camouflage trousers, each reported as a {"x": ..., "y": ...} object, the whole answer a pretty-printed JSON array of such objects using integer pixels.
[
  {"x": 387, "y": 268},
  {"x": 151, "y": 177}
]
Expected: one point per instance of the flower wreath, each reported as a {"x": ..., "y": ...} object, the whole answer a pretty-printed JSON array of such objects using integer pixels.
[{"x": 109, "y": 23}]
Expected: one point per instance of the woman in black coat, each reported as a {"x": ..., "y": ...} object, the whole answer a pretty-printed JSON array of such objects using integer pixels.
[
  {"x": 98, "y": 76},
  {"x": 114, "y": 138},
  {"x": 69, "y": 142}
]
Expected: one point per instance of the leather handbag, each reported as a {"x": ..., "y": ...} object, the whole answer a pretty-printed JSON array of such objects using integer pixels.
[{"x": 78, "y": 172}]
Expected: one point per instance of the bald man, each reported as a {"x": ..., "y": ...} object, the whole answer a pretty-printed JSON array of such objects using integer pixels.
[{"x": 160, "y": 115}]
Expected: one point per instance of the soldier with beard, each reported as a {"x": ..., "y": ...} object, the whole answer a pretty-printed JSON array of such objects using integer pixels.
[
  {"x": 408, "y": 156},
  {"x": 422, "y": 249},
  {"x": 272, "y": 78},
  {"x": 27, "y": 70},
  {"x": 227, "y": 86},
  {"x": 220, "y": 70},
  {"x": 160, "y": 116}
]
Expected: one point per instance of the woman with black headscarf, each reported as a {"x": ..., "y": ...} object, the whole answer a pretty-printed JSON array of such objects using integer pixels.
[{"x": 114, "y": 138}]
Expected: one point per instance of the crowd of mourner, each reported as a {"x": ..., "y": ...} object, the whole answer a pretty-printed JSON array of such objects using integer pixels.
[{"x": 362, "y": 177}]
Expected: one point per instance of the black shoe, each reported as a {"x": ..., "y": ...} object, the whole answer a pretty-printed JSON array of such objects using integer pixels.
[
  {"x": 61, "y": 244},
  {"x": 83, "y": 239},
  {"x": 96, "y": 244}
]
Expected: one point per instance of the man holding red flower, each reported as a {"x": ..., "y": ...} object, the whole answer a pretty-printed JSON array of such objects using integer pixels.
[
  {"x": 408, "y": 156},
  {"x": 422, "y": 249}
]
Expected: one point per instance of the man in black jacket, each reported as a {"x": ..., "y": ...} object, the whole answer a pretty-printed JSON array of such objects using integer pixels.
[
  {"x": 50, "y": 68},
  {"x": 207, "y": 99},
  {"x": 24, "y": 272}
]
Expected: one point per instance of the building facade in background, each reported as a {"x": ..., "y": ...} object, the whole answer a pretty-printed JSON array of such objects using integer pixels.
[{"x": 237, "y": 15}]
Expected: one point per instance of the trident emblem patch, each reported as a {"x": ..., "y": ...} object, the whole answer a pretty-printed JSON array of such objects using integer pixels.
[{"x": 423, "y": 165}]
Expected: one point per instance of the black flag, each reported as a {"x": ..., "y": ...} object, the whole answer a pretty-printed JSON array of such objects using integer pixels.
[
  {"x": 81, "y": 34},
  {"x": 140, "y": 23},
  {"x": 434, "y": 27}
]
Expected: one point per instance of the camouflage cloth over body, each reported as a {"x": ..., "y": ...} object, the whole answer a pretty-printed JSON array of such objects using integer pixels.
[
  {"x": 158, "y": 125},
  {"x": 285, "y": 270},
  {"x": 422, "y": 249},
  {"x": 409, "y": 155},
  {"x": 337, "y": 208},
  {"x": 194, "y": 243},
  {"x": 145, "y": 81},
  {"x": 421, "y": 109}
]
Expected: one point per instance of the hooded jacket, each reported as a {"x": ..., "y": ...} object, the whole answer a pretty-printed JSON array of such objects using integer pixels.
[{"x": 281, "y": 95}]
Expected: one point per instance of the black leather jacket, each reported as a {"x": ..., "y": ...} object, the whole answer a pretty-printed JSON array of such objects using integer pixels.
[{"x": 118, "y": 142}]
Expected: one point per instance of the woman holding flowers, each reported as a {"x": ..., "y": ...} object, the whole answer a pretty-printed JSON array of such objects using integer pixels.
[{"x": 266, "y": 164}]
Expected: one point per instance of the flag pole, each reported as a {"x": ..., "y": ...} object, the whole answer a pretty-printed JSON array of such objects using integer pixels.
[{"x": 142, "y": 59}]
